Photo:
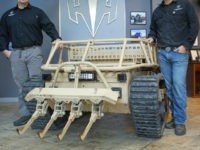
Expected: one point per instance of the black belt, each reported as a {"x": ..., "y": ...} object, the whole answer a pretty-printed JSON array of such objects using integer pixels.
[
  {"x": 168, "y": 48},
  {"x": 24, "y": 48}
]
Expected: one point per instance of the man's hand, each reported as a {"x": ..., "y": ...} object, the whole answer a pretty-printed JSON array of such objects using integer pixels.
[
  {"x": 181, "y": 49},
  {"x": 7, "y": 53},
  {"x": 60, "y": 45},
  {"x": 150, "y": 40}
]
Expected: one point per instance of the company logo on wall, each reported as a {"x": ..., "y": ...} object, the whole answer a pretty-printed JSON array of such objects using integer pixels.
[{"x": 77, "y": 10}]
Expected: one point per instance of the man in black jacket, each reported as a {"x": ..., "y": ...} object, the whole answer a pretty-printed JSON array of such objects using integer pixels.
[
  {"x": 22, "y": 26},
  {"x": 174, "y": 27}
]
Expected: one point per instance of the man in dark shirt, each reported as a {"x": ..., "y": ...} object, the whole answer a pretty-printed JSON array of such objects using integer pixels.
[
  {"x": 174, "y": 27},
  {"x": 22, "y": 26}
]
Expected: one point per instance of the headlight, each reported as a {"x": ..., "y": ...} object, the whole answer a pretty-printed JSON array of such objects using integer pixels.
[{"x": 83, "y": 76}]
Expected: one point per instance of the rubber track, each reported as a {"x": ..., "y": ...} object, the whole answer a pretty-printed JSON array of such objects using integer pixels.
[
  {"x": 41, "y": 122},
  {"x": 144, "y": 106}
]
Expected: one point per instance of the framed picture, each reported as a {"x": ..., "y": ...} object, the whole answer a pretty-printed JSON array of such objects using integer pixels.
[
  {"x": 196, "y": 42},
  {"x": 138, "y": 33},
  {"x": 138, "y": 18},
  {"x": 194, "y": 55},
  {"x": 198, "y": 52}
]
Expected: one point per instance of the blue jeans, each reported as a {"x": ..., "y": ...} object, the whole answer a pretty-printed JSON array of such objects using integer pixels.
[{"x": 173, "y": 66}]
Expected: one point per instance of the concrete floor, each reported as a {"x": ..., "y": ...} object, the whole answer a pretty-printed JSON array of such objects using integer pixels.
[{"x": 112, "y": 132}]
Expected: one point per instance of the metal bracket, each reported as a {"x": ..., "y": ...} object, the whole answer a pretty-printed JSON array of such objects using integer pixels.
[{"x": 76, "y": 112}]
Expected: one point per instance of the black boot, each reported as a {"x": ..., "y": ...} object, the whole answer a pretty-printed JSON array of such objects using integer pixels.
[
  {"x": 21, "y": 121},
  {"x": 180, "y": 129},
  {"x": 170, "y": 124}
]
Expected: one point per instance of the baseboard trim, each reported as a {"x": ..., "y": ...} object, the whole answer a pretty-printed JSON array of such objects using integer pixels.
[{"x": 8, "y": 99}]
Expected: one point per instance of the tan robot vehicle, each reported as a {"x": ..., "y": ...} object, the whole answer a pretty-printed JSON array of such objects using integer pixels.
[{"x": 98, "y": 76}]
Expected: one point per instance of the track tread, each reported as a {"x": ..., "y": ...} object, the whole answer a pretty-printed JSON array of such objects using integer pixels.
[
  {"x": 145, "y": 107},
  {"x": 41, "y": 122}
]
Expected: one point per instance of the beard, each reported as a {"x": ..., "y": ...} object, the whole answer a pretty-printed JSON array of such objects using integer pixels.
[{"x": 23, "y": 4}]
